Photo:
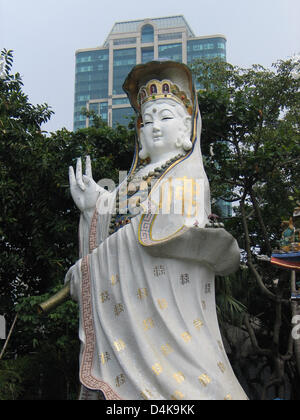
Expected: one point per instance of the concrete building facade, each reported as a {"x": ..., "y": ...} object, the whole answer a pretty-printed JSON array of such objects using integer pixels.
[{"x": 100, "y": 72}]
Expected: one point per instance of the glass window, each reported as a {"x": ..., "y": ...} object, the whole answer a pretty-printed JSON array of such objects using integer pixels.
[
  {"x": 100, "y": 108},
  {"x": 168, "y": 37},
  {"x": 147, "y": 54},
  {"x": 206, "y": 49},
  {"x": 78, "y": 125},
  {"x": 120, "y": 101},
  {"x": 170, "y": 52},
  {"x": 225, "y": 208},
  {"x": 123, "y": 41},
  {"x": 124, "y": 61},
  {"x": 91, "y": 79},
  {"x": 122, "y": 116},
  {"x": 147, "y": 34}
]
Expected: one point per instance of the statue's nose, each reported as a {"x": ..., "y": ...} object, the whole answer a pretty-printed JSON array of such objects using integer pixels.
[{"x": 155, "y": 126}]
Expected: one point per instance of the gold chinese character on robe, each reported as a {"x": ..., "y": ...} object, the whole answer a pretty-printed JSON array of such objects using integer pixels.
[
  {"x": 221, "y": 367},
  {"x": 166, "y": 349},
  {"x": 162, "y": 303},
  {"x": 198, "y": 324},
  {"x": 186, "y": 336},
  {"x": 120, "y": 380},
  {"x": 142, "y": 293},
  {"x": 119, "y": 345},
  {"x": 204, "y": 379},
  {"x": 104, "y": 357},
  {"x": 157, "y": 368},
  {"x": 118, "y": 309},
  {"x": 179, "y": 377},
  {"x": 148, "y": 324},
  {"x": 177, "y": 395},
  {"x": 114, "y": 279},
  {"x": 104, "y": 296}
]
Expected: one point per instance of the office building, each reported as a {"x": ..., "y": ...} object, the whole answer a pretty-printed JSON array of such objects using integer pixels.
[{"x": 101, "y": 71}]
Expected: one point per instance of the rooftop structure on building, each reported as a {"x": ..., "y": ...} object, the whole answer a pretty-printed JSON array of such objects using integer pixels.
[{"x": 101, "y": 71}]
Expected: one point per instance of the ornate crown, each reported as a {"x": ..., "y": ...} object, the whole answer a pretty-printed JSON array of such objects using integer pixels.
[{"x": 156, "y": 89}]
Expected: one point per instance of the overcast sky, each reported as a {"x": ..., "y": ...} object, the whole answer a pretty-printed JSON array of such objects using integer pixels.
[{"x": 45, "y": 34}]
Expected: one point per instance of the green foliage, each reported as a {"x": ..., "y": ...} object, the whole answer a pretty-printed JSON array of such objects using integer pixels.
[
  {"x": 229, "y": 308},
  {"x": 251, "y": 145},
  {"x": 39, "y": 237},
  {"x": 10, "y": 380},
  {"x": 38, "y": 222},
  {"x": 251, "y": 137},
  {"x": 251, "y": 142}
]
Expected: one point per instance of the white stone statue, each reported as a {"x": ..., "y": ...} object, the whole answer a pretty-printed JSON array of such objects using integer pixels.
[{"x": 145, "y": 281}]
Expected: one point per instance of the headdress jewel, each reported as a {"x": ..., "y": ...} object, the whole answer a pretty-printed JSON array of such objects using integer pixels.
[{"x": 156, "y": 89}]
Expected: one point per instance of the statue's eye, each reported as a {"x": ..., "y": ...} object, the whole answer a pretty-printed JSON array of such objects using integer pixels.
[
  {"x": 147, "y": 122},
  {"x": 166, "y": 115}
]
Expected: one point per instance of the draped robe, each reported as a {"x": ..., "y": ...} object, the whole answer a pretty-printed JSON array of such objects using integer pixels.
[
  {"x": 148, "y": 323},
  {"x": 146, "y": 291}
]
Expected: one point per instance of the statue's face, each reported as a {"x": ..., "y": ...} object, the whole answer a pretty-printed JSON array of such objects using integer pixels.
[{"x": 166, "y": 124}]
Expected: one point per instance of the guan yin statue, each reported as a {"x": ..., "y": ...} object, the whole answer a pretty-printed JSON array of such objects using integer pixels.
[{"x": 145, "y": 280}]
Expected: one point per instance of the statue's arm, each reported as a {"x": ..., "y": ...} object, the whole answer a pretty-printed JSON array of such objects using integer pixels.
[
  {"x": 73, "y": 279},
  {"x": 215, "y": 248},
  {"x": 85, "y": 193},
  {"x": 84, "y": 190}
]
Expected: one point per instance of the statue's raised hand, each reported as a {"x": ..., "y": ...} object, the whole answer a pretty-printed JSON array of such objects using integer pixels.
[{"x": 84, "y": 190}]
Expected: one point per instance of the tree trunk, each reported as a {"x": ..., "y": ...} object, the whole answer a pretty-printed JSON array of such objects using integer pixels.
[
  {"x": 295, "y": 312},
  {"x": 261, "y": 221},
  {"x": 8, "y": 337}
]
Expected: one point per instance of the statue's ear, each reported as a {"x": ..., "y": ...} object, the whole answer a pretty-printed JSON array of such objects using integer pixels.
[
  {"x": 188, "y": 125},
  {"x": 143, "y": 153}
]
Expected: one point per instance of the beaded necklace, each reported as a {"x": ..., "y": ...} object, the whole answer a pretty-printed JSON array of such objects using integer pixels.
[{"x": 134, "y": 185}]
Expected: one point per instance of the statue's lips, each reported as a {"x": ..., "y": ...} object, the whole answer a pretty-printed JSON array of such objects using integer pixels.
[{"x": 157, "y": 138}]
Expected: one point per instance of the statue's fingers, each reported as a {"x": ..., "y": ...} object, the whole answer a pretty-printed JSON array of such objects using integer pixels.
[
  {"x": 86, "y": 179},
  {"x": 79, "y": 174},
  {"x": 88, "y": 167},
  {"x": 72, "y": 178}
]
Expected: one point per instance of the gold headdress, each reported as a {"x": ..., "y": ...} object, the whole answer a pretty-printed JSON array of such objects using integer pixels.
[
  {"x": 158, "y": 80},
  {"x": 156, "y": 89}
]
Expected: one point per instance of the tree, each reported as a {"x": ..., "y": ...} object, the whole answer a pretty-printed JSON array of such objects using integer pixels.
[
  {"x": 39, "y": 236},
  {"x": 251, "y": 141}
]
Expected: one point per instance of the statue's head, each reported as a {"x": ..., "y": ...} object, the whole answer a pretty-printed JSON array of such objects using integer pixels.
[
  {"x": 165, "y": 129},
  {"x": 168, "y": 126},
  {"x": 163, "y": 97}
]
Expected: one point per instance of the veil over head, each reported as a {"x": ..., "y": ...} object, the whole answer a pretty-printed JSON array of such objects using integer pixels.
[{"x": 146, "y": 83}]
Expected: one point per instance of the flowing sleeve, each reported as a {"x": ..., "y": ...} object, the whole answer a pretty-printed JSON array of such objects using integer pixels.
[
  {"x": 215, "y": 248},
  {"x": 93, "y": 224},
  {"x": 93, "y": 230}
]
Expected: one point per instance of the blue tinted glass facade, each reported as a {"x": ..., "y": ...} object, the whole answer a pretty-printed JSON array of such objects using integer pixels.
[
  {"x": 170, "y": 52},
  {"x": 120, "y": 101},
  {"x": 206, "y": 49},
  {"x": 171, "y": 36},
  {"x": 122, "y": 116},
  {"x": 101, "y": 109},
  {"x": 124, "y": 61},
  {"x": 91, "y": 81},
  {"x": 147, "y": 34},
  {"x": 225, "y": 208},
  {"x": 147, "y": 54},
  {"x": 100, "y": 72}
]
